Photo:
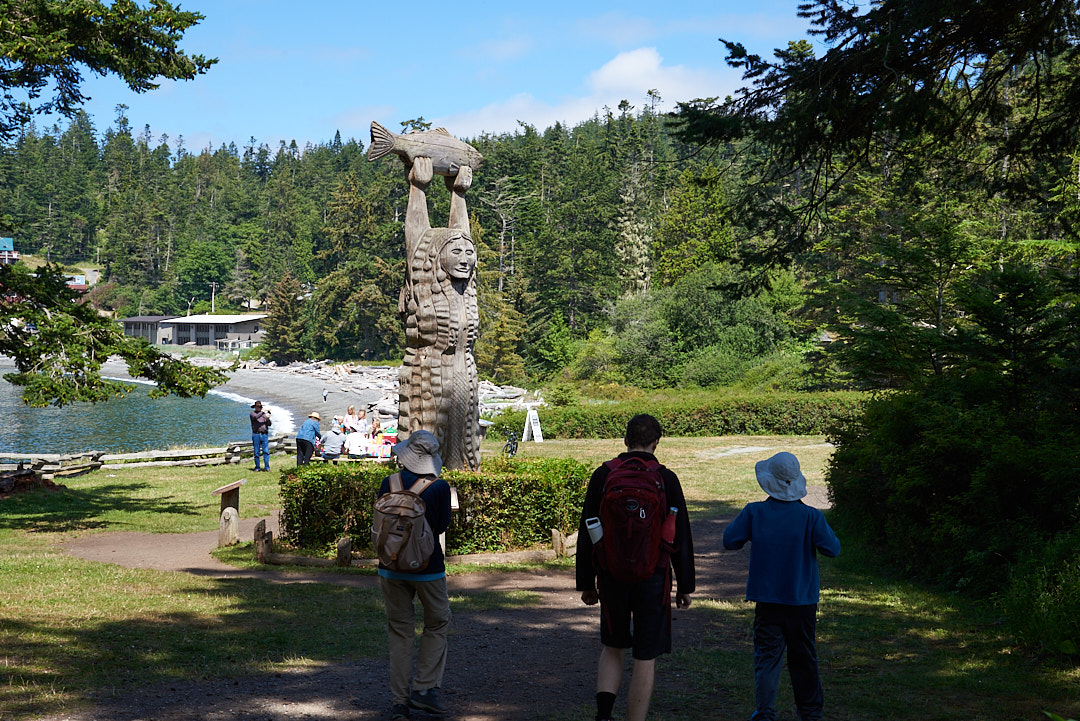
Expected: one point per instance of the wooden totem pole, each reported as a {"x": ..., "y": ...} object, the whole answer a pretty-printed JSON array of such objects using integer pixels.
[{"x": 437, "y": 381}]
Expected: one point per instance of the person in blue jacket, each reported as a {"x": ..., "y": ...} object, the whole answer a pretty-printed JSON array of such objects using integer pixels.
[
  {"x": 305, "y": 438},
  {"x": 785, "y": 537}
]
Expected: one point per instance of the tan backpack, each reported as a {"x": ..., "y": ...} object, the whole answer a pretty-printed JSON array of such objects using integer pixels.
[{"x": 400, "y": 533}]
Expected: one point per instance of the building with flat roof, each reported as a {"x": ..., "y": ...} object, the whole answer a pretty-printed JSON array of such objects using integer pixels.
[
  {"x": 148, "y": 327},
  {"x": 225, "y": 332}
]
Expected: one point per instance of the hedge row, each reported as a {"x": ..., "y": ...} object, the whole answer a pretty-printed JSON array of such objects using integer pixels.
[
  {"x": 786, "y": 414},
  {"x": 510, "y": 504}
]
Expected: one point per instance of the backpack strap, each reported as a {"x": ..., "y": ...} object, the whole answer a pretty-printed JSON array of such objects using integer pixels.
[
  {"x": 395, "y": 482},
  {"x": 421, "y": 485}
]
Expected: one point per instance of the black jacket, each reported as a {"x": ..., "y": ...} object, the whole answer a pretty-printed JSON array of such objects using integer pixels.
[{"x": 682, "y": 560}]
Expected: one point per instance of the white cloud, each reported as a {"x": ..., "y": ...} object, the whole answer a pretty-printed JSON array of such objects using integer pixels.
[{"x": 627, "y": 76}]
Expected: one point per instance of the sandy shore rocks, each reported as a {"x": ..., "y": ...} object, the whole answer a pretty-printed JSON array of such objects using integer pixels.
[{"x": 298, "y": 388}]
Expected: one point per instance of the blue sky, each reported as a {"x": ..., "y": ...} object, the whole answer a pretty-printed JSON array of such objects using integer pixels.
[{"x": 300, "y": 71}]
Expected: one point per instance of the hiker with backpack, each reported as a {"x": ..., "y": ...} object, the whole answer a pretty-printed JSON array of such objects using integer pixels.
[
  {"x": 411, "y": 511},
  {"x": 634, "y": 532}
]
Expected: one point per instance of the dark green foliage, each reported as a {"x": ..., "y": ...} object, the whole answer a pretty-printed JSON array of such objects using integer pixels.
[
  {"x": 510, "y": 504},
  {"x": 765, "y": 414},
  {"x": 285, "y": 324},
  {"x": 320, "y": 503},
  {"x": 1042, "y": 598},
  {"x": 977, "y": 467},
  {"x": 515, "y": 502},
  {"x": 913, "y": 80}
]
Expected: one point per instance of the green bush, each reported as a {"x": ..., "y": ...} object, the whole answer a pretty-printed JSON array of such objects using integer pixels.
[
  {"x": 510, "y": 504},
  {"x": 1042, "y": 599},
  {"x": 953, "y": 490},
  {"x": 751, "y": 414}
]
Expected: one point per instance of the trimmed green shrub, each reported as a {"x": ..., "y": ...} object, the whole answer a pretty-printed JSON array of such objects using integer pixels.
[
  {"x": 760, "y": 414},
  {"x": 510, "y": 504}
]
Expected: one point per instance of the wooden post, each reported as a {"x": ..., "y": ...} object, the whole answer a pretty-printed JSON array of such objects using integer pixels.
[
  {"x": 229, "y": 530},
  {"x": 264, "y": 542},
  {"x": 230, "y": 495},
  {"x": 344, "y": 551}
]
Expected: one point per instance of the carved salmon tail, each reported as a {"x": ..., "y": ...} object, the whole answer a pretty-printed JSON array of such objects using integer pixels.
[{"x": 382, "y": 141}]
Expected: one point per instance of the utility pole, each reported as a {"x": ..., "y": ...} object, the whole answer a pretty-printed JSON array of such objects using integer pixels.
[{"x": 213, "y": 294}]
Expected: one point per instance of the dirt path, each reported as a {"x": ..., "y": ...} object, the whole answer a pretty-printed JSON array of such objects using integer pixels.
[{"x": 508, "y": 663}]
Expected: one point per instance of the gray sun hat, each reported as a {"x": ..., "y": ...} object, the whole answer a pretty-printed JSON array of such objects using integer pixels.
[
  {"x": 781, "y": 478},
  {"x": 419, "y": 453}
]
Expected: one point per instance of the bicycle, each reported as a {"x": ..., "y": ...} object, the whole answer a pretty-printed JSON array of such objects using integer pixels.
[{"x": 511, "y": 447}]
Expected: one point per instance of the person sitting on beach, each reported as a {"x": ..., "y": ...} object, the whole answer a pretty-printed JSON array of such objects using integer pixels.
[
  {"x": 332, "y": 443},
  {"x": 363, "y": 424}
]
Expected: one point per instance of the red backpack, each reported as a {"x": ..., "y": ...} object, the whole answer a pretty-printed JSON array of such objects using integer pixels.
[{"x": 632, "y": 512}]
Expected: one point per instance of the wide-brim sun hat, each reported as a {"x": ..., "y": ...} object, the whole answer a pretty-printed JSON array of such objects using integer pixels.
[
  {"x": 419, "y": 453},
  {"x": 315, "y": 415},
  {"x": 781, "y": 477}
]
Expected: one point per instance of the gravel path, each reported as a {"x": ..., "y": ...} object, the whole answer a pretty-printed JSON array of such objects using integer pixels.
[{"x": 505, "y": 663}]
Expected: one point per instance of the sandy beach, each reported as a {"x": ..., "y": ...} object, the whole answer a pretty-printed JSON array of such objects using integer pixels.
[{"x": 289, "y": 396}]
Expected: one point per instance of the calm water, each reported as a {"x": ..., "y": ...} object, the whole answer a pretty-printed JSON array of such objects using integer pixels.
[{"x": 124, "y": 425}]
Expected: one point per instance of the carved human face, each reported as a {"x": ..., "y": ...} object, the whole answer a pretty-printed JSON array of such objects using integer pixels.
[{"x": 458, "y": 257}]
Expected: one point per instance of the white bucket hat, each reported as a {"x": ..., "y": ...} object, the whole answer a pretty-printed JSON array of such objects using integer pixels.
[
  {"x": 781, "y": 478},
  {"x": 419, "y": 453}
]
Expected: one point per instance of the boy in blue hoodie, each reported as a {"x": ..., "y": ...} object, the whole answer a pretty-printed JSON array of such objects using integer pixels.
[{"x": 785, "y": 537}]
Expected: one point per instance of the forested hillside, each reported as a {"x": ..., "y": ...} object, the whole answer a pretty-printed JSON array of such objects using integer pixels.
[
  {"x": 613, "y": 225},
  {"x": 612, "y": 251}
]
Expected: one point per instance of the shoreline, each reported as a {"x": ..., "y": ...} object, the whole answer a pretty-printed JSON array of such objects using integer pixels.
[{"x": 289, "y": 396}]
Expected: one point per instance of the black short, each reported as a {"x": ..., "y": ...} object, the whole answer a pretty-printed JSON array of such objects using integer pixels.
[{"x": 637, "y": 615}]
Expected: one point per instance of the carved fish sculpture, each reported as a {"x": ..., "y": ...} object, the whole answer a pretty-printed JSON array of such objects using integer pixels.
[{"x": 447, "y": 153}]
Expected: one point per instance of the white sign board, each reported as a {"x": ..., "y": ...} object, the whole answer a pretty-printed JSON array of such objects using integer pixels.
[{"x": 532, "y": 430}]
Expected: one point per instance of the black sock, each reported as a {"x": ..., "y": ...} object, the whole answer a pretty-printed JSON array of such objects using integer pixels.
[{"x": 605, "y": 703}]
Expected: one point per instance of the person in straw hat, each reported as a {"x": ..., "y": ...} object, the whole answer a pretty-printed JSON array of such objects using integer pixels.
[
  {"x": 785, "y": 537},
  {"x": 305, "y": 438},
  {"x": 418, "y": 456}
]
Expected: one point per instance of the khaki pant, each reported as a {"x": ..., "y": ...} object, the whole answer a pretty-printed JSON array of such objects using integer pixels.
[{"x": 398, "y": 598}]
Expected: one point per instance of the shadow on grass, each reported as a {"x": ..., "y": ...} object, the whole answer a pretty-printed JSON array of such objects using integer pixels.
[
  {"x": 887, "y": 649},
  {"x": 202, "y": 664},
  {"x": 66, "y": 510},
  {"x": 263, "y": 623}
]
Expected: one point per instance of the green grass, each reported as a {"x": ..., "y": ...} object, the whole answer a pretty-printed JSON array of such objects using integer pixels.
[{"x": 72, "y": 630}]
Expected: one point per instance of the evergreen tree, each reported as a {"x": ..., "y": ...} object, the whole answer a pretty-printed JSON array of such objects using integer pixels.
[{"x": 285, "y": 324}]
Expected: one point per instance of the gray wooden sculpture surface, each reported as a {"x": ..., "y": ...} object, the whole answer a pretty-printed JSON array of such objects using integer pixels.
[{"x": 438, "y": 385}]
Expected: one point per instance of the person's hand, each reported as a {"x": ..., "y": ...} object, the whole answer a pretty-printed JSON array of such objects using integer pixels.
[
  {"x": 682, "y": 600},
  {"x": 462, "y": 181},
  {"x": 421, "y": 173},
  {"x": 590, "y": 597}
]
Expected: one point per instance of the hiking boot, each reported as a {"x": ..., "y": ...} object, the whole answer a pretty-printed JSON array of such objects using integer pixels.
[
  {"x": 426, "y": 701},
  {"x": 399, "y": 711}
]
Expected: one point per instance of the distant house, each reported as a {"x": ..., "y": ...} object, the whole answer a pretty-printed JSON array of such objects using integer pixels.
[
  {"x": 149, "y": 327},
  {"x": 77, "y": 282},
  {"x": 8, "y": 254},
  {"x": 226, "y": 332}
]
